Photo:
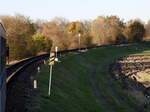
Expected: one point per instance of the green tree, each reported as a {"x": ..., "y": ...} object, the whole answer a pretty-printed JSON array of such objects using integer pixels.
[
  {"x": 134, "y": 31},
  {"x": 41, "y": 43},
  {"x": 19, "y": 31}
]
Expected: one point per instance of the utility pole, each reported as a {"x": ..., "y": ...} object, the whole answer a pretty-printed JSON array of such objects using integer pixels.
[
  {"x": 56, "y": 55},
  {"x": 79, "y": 35}
]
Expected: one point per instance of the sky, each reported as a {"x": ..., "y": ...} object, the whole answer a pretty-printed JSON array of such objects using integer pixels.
[{"x": 77, "y": 9}]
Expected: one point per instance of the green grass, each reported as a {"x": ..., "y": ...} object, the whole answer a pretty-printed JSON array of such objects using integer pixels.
[{"x": 82, "y": 83}]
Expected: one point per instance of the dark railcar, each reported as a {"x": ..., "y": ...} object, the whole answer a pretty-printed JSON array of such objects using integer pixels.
[{"x": 2, "y": 67}]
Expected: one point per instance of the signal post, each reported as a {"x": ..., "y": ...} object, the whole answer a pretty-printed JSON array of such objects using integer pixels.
[{"x": 51, "y": 63}]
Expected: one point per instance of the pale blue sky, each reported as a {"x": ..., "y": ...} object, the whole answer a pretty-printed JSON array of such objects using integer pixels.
[{"x": 77, "y": 9}]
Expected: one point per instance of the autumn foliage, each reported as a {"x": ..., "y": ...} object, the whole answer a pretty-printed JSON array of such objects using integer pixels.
[{"x": 27, "y": 38}]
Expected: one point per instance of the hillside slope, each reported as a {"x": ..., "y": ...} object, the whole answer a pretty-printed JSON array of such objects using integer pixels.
[{"x": 82, "y": 83}]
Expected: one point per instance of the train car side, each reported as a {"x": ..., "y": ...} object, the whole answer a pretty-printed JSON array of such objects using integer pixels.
[{"x": 2, "y": 67}]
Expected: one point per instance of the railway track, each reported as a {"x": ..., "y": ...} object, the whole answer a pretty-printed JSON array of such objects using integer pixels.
[
  {"x": 18, "y": 82},
  {"x": 18, "y": 67}
]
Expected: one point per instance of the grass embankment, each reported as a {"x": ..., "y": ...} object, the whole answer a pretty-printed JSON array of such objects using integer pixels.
[{"x": 82, "y": 83}]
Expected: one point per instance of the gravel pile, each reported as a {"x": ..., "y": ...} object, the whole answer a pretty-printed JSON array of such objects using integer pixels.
[{"x": 133, "y": 72}]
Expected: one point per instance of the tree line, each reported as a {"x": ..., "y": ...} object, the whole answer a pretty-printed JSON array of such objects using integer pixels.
[{"x": 26, "y": 37}]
